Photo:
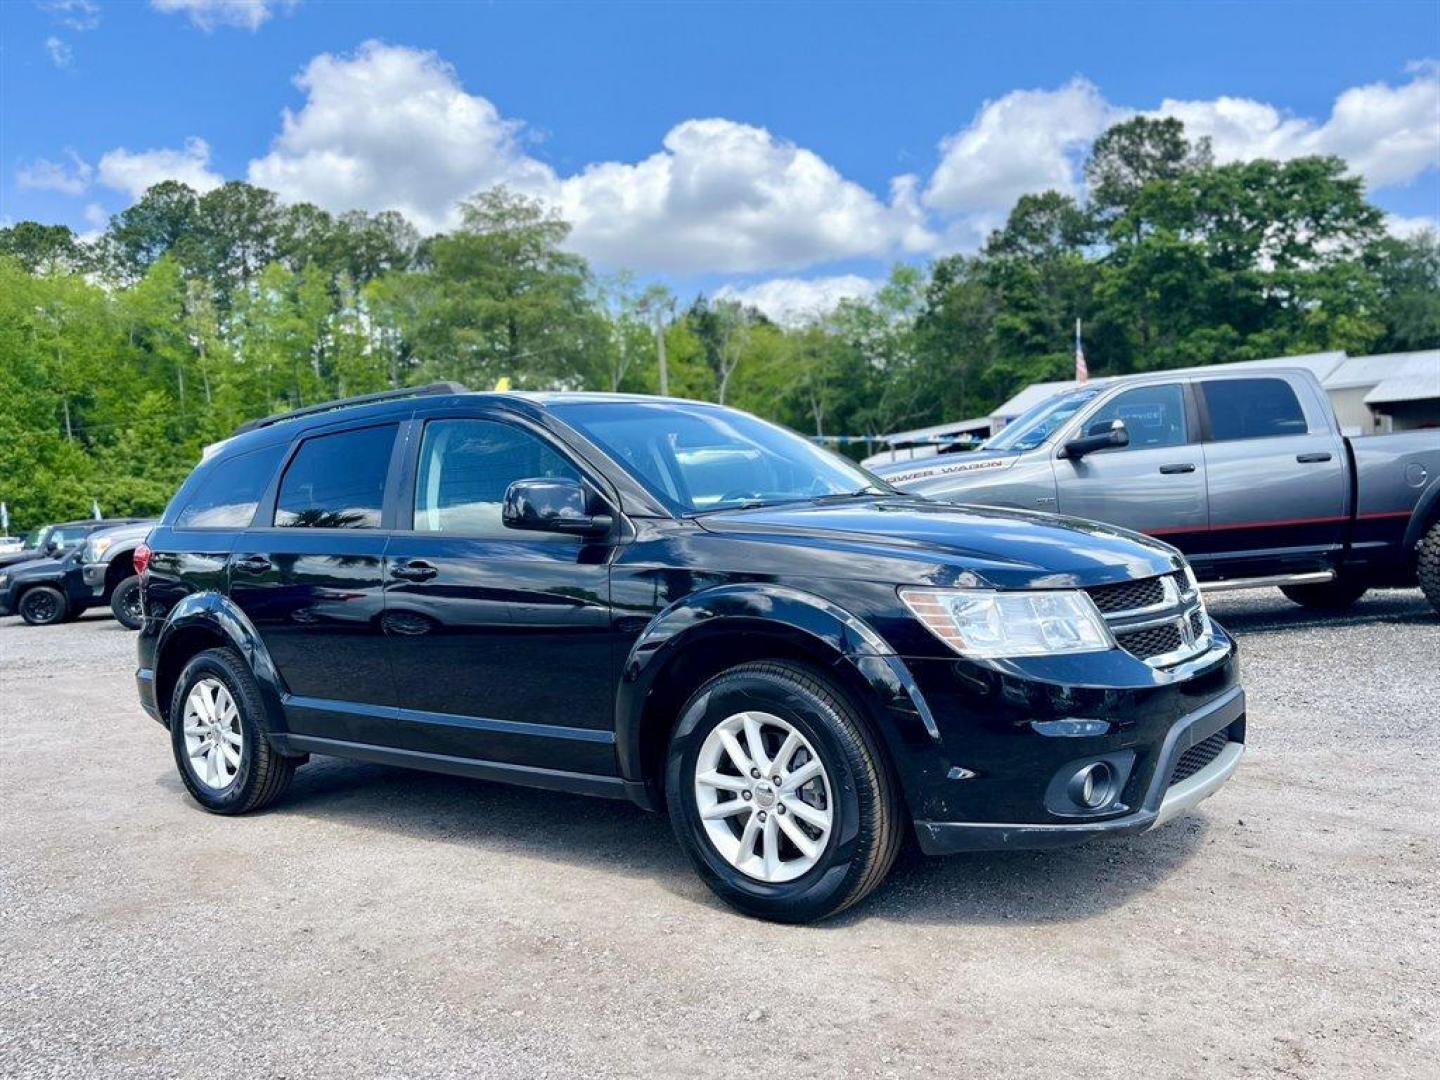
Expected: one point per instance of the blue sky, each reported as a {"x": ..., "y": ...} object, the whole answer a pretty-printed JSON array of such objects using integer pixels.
[{"x": 763, "y": 146}]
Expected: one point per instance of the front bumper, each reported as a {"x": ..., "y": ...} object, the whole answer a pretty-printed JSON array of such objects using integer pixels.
[
  {"x": 1163, "y": 799},
  {"x": 93, "y": 575}
]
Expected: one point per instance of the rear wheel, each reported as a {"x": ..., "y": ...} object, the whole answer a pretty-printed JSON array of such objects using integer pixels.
[
  {"x": 217, "y": 732},
  {"x": 44, "y": 605},
  {"x": 780, "y": 795},
  {"x": 1334, "y": 595},
  {"x": 125, "y": 603},
  {"x": 1428, "y": 567}
]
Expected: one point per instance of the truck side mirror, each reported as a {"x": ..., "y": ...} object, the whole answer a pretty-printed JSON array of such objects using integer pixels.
[
  {"x": 552, "y": 505},
  {"x": 1102, "y": 436}
]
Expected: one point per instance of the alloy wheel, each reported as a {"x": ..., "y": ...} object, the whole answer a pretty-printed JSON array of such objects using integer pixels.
[
  {"x": 764, "y": 796},
  {"x": 214, "y": 739}
]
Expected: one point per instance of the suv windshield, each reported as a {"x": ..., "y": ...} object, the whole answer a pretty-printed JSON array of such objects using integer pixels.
[
  {"x": 1031, "y": 428},
  {"x": 696, "y": 458}
]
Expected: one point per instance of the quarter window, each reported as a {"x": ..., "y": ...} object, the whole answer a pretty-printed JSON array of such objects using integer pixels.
[
  {"x": 229, "y": 493},
  {"x": 465, "y": 468},
  {"x": 1154, "y": 416},
  {"x": 337, "y": 481},
  {"x": 1252, "y": 409}
]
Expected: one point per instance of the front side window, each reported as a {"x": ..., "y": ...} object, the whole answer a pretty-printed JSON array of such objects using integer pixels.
[
  {"x": 337, "y": 481},
  {"x": 1154, "y": 416},
  {"x": 466, "y": 467},
  {"x": 696, "y": 458},
  {"x": 228, "y": 495},
  {"x": 1252, "y": 409}
]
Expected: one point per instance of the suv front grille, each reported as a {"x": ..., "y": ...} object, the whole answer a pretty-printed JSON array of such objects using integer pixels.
[
  {"x": 1129, "y": 595},
  {"x": 1198, "y": 756},
  {"x": 1151, "y": 641}
]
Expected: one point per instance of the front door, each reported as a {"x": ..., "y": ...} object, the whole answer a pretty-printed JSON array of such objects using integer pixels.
[
  {"x": 1278, "y": 495},
  {"x": 311, "y": 582},
  {"x": 1154, "y": 485},
  {"x": 499, "y": 640}
]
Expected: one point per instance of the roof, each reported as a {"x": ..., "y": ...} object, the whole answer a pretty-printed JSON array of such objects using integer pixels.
[
  {"x": 1411, "y": 367},
  {"x": 936, "y": 431}
]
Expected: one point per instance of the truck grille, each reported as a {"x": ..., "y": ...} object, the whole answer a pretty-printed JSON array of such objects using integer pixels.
[
  {"x": 1151, "y": 641},
  {"x": 1198, "y": 756},
  {"x": 1129, "y": 595}
]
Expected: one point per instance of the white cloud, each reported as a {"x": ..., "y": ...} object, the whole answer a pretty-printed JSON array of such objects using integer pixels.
[
  {"x": 96, "y": 216},
  {"x": 1406, "y": 227},
  {"x": 795, "y": 301},
  {"x": 1025, "y": 142},
  {"x": 74, "y": 14},
  {"x": 134, "y": 171},
  {"x": 1388, "y": 134},
  {"x": 391, "y": 128},
  {"x": 45, "y": 175},
  {"x": 60, "y": 53},
  {"x": 209, "y": 14}
]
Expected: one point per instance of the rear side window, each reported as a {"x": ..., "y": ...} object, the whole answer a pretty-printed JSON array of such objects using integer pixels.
[
  {"x": 465, "y": 467},
  {"x": 337, "y": 481},
  {"x": 1252, "y": 409},
  {"x": 227, "y": 497}
]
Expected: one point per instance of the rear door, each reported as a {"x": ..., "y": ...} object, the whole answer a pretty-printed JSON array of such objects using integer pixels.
[
  {"x": 1154, "y": 485},
  {"x": 499, "y": 640},
  {"x": 310, "y": 579},
  {"x": 1278, "y": 494}
]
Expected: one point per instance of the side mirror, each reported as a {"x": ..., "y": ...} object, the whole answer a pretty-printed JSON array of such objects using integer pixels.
[
  {"x": 1102, "y": 436},
  {"x": 52, "y": 546},
  {"x": 554, "y": 506}
]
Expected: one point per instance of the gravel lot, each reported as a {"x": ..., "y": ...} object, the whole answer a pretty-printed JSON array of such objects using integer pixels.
[{"x": 379, "y": 922}]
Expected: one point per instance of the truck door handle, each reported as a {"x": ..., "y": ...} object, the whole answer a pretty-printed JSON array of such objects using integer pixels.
[
  {"x": 253, "y": 564},
  {"x": 1311, "y": 459},
  {"x": 414, "y": 570},
  {"x": 1179, "y": 467}
]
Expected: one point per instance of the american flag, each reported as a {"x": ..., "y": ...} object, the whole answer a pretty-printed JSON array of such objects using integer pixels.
[{"x": 1082, "y": 373}]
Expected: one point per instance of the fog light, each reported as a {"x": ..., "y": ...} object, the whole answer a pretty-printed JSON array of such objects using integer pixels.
[{"x": 1093, "y": 786}]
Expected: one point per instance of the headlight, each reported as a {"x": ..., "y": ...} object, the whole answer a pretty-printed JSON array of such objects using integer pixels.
[
  {"x": 96, "y": 548},
  {"x": 998, "y": 624}
]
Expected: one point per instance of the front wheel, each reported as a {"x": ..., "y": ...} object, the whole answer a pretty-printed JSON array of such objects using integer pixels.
[
  {"x": 1334, "y": 595},
  {"x": 44, "y": 605},
  {"x": 780, "y": 794},
  {"x": 1427, "y": 569},
  {"x": 125, "y": 603}
]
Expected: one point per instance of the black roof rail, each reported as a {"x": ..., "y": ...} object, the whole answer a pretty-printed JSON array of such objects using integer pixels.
[{"x": 363, "y": 399}]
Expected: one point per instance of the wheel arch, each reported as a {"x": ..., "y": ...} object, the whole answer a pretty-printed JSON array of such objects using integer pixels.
[
  {"x": 711, "y": 631},
  {"x": 120, "y": 567},
  {"x": 208, "y": 621},
  {"x": 1425, "y": 515}
]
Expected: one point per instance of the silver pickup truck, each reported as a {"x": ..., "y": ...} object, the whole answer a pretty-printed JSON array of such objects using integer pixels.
[{"x": 1247, "y": 473}]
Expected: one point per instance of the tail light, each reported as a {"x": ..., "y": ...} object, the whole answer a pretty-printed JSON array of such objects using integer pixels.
[{"x": 142, "y": 557}]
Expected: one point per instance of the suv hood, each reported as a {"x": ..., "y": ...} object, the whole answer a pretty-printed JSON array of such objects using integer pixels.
[{"x": 1001, "y": 548}]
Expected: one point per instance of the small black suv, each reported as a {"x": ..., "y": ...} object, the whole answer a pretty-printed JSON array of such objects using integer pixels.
[{"x": 678, "y": 604}]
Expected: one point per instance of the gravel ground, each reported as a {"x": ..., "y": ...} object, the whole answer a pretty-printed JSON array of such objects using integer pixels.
[{"x": 379, "y": 922}]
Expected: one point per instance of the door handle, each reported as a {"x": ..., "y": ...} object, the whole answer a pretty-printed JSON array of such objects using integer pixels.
[
  {"x": 1311, "y": 459},
  {"x": 414, "y": 570},
  {"x": 1179, "y": 467},
  {"x": 253, "y": 564}
]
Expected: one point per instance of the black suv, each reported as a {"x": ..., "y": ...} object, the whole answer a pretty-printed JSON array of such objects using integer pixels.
[{"x": 681, "y": 605}]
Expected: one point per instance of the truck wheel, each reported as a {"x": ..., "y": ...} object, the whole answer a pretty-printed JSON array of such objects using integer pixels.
[
  {"x": 780, "y": 794},
  {"x": 1334, "y": 595},
  {"x": 44, "y": 605},
  {"x": 1428, "y": 566},
  {"x": 217, "y": 732},
  {"x": 125, "y": 603}
]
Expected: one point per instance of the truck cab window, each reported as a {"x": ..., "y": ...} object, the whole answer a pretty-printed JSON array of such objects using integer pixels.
[
  {"x": 1252, "y": 409},
  {"x": 1154, "y": 416}
]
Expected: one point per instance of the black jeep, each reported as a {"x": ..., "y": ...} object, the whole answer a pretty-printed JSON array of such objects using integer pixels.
[{"x": 681, "y": 605}]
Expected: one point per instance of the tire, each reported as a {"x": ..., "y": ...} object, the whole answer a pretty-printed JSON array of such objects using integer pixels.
[
  {"x": 1427, "y": 568},
  {"x": 847, "y": 859},
  {"x": 260, "y": 775},
  {"x": 125, "y": 603},
  {"x": 44, "y": 605},
  {"x": 1337, "y": 595}
]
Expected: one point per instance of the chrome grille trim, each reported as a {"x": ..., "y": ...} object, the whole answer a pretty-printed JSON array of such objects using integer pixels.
[{"x": 1179, "y": 607}]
